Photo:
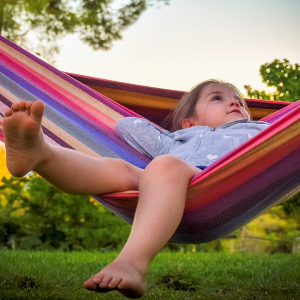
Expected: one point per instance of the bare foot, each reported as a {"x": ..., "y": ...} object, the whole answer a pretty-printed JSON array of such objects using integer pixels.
[
  {"x": 120, "y": 275},
  {"x": 24, "y": 142}
]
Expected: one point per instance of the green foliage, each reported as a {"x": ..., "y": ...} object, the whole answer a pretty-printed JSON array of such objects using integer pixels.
[
  {"x": 272, "y": 232},
  {"x": 96, "y": 22},
  {"x": 283, "y": 76},
  {"x": 209, "y": 247},
  {"x": 292, "y": 206},
  {"x": 35, "y": 215}
]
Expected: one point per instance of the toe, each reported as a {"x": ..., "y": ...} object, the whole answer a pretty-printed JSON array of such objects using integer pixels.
[
  {"x": 22, "y": 105},
  {"x": 8, "y": 112},
  {"x": 90, "y": 285},
  {"x": 114, "y": 283},
  {"x": 28, "y": 104},
  {"x": 37, "y": 109},
  {"x": 97, "y": 278},
  {"x": 15, "y": 106},
  {"x": 105, "y": 281}
]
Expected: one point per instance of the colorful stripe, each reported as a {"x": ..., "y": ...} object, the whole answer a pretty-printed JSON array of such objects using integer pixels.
[
  {"x": 86, "y": 117},
  {"x": 155, "y": 104},
  {"x": 254, "y": 177}
]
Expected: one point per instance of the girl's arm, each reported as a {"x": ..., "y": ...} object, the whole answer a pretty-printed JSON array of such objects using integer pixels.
[{"x": 144, "y": 136}]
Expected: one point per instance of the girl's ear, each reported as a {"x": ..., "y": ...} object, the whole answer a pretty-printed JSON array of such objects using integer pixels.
[{"x": 187, "y": 123}]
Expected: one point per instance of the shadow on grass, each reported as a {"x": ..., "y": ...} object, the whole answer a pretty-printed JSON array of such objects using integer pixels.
[{"x": 179, "y": 281}]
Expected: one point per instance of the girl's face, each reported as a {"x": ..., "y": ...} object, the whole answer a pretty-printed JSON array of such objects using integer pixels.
[{"x": 217, "y": 104}]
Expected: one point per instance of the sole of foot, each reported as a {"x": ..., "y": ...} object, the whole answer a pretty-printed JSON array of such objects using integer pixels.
[{"x": 24, "y": 140}]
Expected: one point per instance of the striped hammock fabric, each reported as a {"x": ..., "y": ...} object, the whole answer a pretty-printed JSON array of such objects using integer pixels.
[{"x": 230, "y": 193}]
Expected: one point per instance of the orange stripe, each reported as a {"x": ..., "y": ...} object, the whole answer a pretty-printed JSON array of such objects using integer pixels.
[{"x": 158, "y": 102}]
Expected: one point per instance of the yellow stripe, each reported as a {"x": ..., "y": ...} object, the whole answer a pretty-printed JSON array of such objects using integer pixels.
[
  {"x": 69, "y": 139},
  {"x": 150, "y": 101},
  {"x": 138, "y": 99},
  {"x": 8, "y": 95},
  {"x": 74, "y": 143},
  {"x": 43, "y": 72}
]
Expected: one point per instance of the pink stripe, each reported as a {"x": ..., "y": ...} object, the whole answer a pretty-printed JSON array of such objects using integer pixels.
[
  {"x": 282, "y": 123},
  {"x": 63, "y": 95},
  {"x": 3, "y": 107},
  {"x": 117, "y": 85},
  {"x": 130, "y": 112},
  {"x": 276, "y": 115},
  {"x": 230, "y": 183}
]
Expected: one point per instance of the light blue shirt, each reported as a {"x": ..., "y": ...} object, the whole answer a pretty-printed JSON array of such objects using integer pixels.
[{"x": 198, "y": 145}]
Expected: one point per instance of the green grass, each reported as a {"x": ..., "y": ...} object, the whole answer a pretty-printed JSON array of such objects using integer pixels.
[{"x": 58, "y": 275}]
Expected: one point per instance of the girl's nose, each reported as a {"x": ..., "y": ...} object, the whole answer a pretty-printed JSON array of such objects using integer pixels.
[{"x": 234, "y": 102}]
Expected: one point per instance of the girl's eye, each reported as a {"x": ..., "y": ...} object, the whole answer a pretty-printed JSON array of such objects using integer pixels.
[{"x": 217, "y": 98}]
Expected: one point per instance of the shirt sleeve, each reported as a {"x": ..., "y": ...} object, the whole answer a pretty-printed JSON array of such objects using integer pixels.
[{"x": 144, "y": 136}]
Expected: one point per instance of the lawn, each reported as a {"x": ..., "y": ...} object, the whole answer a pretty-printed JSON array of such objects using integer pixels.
[{"x": 59, "y": 275}]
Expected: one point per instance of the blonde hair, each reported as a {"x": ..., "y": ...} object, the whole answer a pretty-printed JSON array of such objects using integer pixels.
[{"x": 186, "y": 106}]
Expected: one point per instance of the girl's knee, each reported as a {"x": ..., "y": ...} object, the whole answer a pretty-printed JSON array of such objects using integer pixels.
[
  {"x": 167, "y": 163},
  {"x": 169, "y": 170},
  {"x": 171, "y": 167}
]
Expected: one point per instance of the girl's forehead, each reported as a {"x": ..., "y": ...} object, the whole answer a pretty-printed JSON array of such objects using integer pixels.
[{"x": 217, "y": 87}]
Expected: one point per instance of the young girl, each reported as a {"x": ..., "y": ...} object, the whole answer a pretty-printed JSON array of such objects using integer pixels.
[{"x": 209, "y": 121}]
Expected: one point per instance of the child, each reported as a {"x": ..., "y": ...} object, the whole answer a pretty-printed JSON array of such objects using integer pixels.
[{"x": 211, "y": 120}]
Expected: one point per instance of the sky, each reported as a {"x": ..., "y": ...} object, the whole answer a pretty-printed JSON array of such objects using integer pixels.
[{"x": 179, "y": 45}]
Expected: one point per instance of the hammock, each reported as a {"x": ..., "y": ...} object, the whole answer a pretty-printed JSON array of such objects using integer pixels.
[{"x": 259, "y": 174}]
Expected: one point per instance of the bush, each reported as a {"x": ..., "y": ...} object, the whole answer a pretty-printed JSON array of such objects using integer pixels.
[{"x": 35, "y": 215}]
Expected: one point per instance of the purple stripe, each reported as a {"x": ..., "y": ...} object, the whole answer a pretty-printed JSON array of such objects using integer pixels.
[
  {"x": 55, "y": 138},
  {"x": 101, "y": 137},
  {"x": 37, "y": 83},
  {"x": 128, "y": 86},
  {"x": 243, "y": 203},
  {"x": 5, "y": 101},
  {"x": 69, "y": 79},
  {"x": 278, "y": 115},
  {"x": 253, "y": 103}
]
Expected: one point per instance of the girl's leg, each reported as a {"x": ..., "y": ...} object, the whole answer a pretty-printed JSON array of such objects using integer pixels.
[
  {"x": 163, "y": 187},
  {"x": 68, "y": 170}
]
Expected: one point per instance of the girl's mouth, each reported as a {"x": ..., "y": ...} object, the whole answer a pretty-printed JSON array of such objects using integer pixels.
[{"x": 236, "y": 110}]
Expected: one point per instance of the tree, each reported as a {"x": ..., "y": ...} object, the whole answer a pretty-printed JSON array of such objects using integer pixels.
[
  {"x": 35, "y": 215},
  {"x": 286, "y": 79},
  {"x": 97, "y": 23},
  {"x": 283, "y": 76}
]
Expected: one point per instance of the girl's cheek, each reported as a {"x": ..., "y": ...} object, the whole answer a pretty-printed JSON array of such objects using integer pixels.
[{"x": 245, "y": 114}]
